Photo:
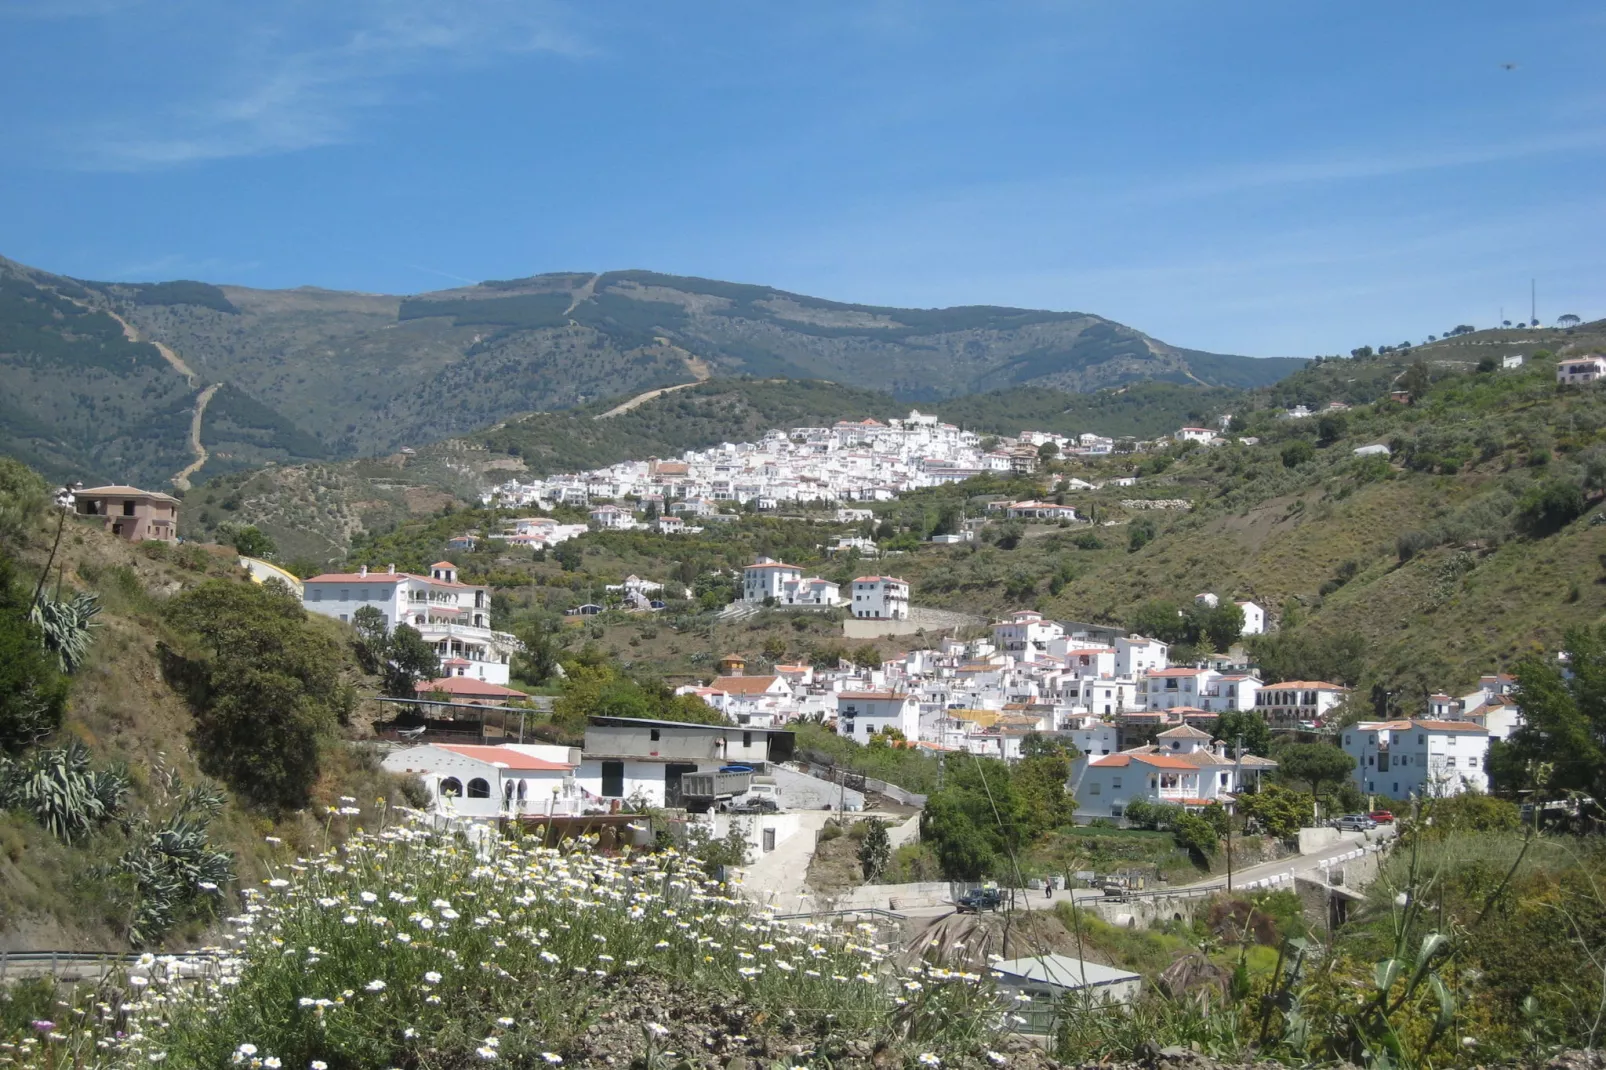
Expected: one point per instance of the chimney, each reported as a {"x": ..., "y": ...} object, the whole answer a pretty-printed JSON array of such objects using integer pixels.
[
  {"x": 363, "y": 571},
  {"x": 390, "y": 570}
]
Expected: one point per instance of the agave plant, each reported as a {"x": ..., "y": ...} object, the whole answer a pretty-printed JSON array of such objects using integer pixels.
[
  {"x": 174, "y": 867},
  {"x": 58, "y": 787},
  {"x": 67, "y": 627}
]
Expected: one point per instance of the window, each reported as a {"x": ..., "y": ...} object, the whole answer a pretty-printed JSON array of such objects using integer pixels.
[
  {"x": 128, "y": 508},
  {"x": 317, "y": 594},
  {"x": 655, "y": 735},
  {"x": 1450, "y": 761},
  {"x": 1421, "y": 737},
  {"x": 451, "y": 788},
  {"x": 613, "y": 780},
  {"x": 1095, "y": 788},
  {"x": 769, "y": 840},
  {"x": 479, "y": 788},
  {"x": 1346, "y": 741},
  {"x": 747, "y": 739},
  {"x": 1472, "y": 762},
  {"x": 1115, "y": 784}
]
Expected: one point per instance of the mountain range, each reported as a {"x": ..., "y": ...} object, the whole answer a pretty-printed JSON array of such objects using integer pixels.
[{"x": 154, "y": 383}]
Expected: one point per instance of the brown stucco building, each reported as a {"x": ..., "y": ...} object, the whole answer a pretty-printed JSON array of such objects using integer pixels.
[{"x": 130, "y": 513}]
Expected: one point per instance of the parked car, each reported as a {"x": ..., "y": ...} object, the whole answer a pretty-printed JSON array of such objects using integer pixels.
[
  {"x": 1354, "y": 823},
  {"x": 979, "y": 899},
  {"x": 1382, "y": 817}
]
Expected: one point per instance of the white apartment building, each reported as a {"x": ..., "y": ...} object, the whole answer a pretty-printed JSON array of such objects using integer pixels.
[
  {"x": 453, "y": 617},
  {"x": 1293, "y": 701},
  {"x": 861, "y": 714},
  {"x": 1417, "y": 758},
  {"x": 1231, "y": 691},
  {"x": 766, "y": 578},
  {"x": 1026, "y": 635},
  {"x": 1135, "y": 654},
  {"x": 880, "y": 598},
  {"x": 1166, "y": 688},
  {"x": 1254, "y": 618}
]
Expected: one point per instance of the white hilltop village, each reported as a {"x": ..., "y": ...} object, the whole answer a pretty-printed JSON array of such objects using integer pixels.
[{"x": 863, "y": 460}]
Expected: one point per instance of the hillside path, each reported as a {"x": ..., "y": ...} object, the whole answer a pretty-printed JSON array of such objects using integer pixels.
[
  {"x": 182, "y": 479},
  {"x": 696, "y": 365},
  {"x": 167, "y": 354},
  {"x": 583, "y": 294}
]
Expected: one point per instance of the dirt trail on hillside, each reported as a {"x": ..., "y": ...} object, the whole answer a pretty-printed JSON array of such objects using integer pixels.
[
  {"x": 696, "y": 365},
  {"x": 182, "y": 479},
  {"x": 583, "y": 294},
  {"x": 167, "y": 354}
]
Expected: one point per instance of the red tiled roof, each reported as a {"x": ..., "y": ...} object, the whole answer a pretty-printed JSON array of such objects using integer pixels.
[
  {"x": 443, "y": 564},
  {"x": 775, "y": 564},
  {"x": 468, "y": 686},
  {"x": 878, "y": 579},
  {"x": 511, "y": 759},
  {"x": 744, "y": 685}
]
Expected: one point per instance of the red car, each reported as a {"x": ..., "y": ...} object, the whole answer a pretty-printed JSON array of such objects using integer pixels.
[{"x": 1382, "y": 817}]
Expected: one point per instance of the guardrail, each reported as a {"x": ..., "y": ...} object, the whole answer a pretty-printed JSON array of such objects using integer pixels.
[{"x": 53, "y": 963}]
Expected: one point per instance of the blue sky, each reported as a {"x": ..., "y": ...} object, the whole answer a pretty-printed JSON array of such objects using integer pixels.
[{"x": 1252, "y": 177}]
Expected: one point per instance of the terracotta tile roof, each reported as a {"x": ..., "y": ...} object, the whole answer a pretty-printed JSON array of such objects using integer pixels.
[
  {"x": 773, "y": 564},
  {"x": 1183, "y": 731},
  {"x": 468, "y": 686},
  {"x": 1165, "y": 761},
  {"x": 1305, "y": 685},
  {"x": 878, "y": 579},
  {"x": 744, "y": 685},
  {"x": 443, "y": 564},
  {"x": 510, "y": 759},
  {"x": 118, "y": 490}
]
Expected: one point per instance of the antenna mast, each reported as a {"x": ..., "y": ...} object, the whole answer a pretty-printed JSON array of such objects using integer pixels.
[{"x": 1533, "y": 301}]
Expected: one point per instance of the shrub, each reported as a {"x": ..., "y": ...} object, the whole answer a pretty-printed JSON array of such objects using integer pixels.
[
  {"x": 1297, "y": 452},
  {"x": 1550, "y": 506}
]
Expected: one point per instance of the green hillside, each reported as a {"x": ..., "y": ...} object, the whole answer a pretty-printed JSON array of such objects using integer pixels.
[
  {"x": 318, "y": 374},
  {"x": 1470, "y": 545}
]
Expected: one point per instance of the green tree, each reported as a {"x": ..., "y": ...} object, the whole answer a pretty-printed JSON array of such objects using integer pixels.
[
  {"x": 1039, "y": 780},
  {"x": 1548, "y": 507},
  {"x": 33, "y": 692},
  {"x": 1223, "y": 625},
  {"x": 409, "y": 660},
  {"x": 537, "y": 656},
  {"x": 1561, "y": 745},
  {"x": 1139, "y": 534},
  {"x": 775, "y": 648},
  {"x": 1246, "y": 726},
  {"x": 1048, "y": 451},
  {"x": 976, "y": 822},
  {"x": 1297, "y": 452},
  {"x": 875, "y": 850},
  {"x": 1330, "y": 428},
  {"x": 265, "y": 686},
  {"x": 1281, "y": 812},
  {"x": 1162, "y": 620},
  {"x": 251, "y": 541},
  {"x": 373, "y": 637},
  {"x": 1314, "y": 764},
  {"x": 1193, "y": 833},
  {"x": 867, "y": 657},
  {"x": 1416, "y": 380}
]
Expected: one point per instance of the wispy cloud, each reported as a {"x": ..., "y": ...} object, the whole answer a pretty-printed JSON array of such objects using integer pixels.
[{"x": 286, "y": 86}]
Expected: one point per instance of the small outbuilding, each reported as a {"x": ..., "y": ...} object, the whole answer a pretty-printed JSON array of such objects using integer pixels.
[{"x": 1047, "y": 979}]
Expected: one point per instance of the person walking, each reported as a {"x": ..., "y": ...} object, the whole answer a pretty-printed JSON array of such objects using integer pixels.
[{"x": 1048, "y": 888}]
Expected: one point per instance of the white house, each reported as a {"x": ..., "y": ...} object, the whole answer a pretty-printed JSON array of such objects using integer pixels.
[
  {"x": 669, "y": 525},
  {"x": 611, "y": 518},
  {"x": 490, "y": 782},
  {"x": 1134, "y": 654},
  {"x": 880, "y": 598},
  {"x": 627, "y": 757},
  {"x": 811, "y": 591},
  {"x": 1103, "y": 786},
  {"x": 1095, "y": 738},
  {"x": 1231, "y": 691},
  {"x": 1581, "y": 369},
  {"x": 1416, "y": 758},
  {"x": 453, "y": 617},
  {"x": 766, "y": 578},
  {"x": 1203, "y": 435},
  {"x": 1254, "y": 618},
  {"x": 1026, "y": 635},
  {"x": 1293, "y": 701},
  {"x": 861, "y": 714},
  {"x": 1165, "y": 688}
]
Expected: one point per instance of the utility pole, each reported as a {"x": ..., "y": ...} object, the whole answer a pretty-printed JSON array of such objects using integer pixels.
[{"x": 1237, "y": 785}]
